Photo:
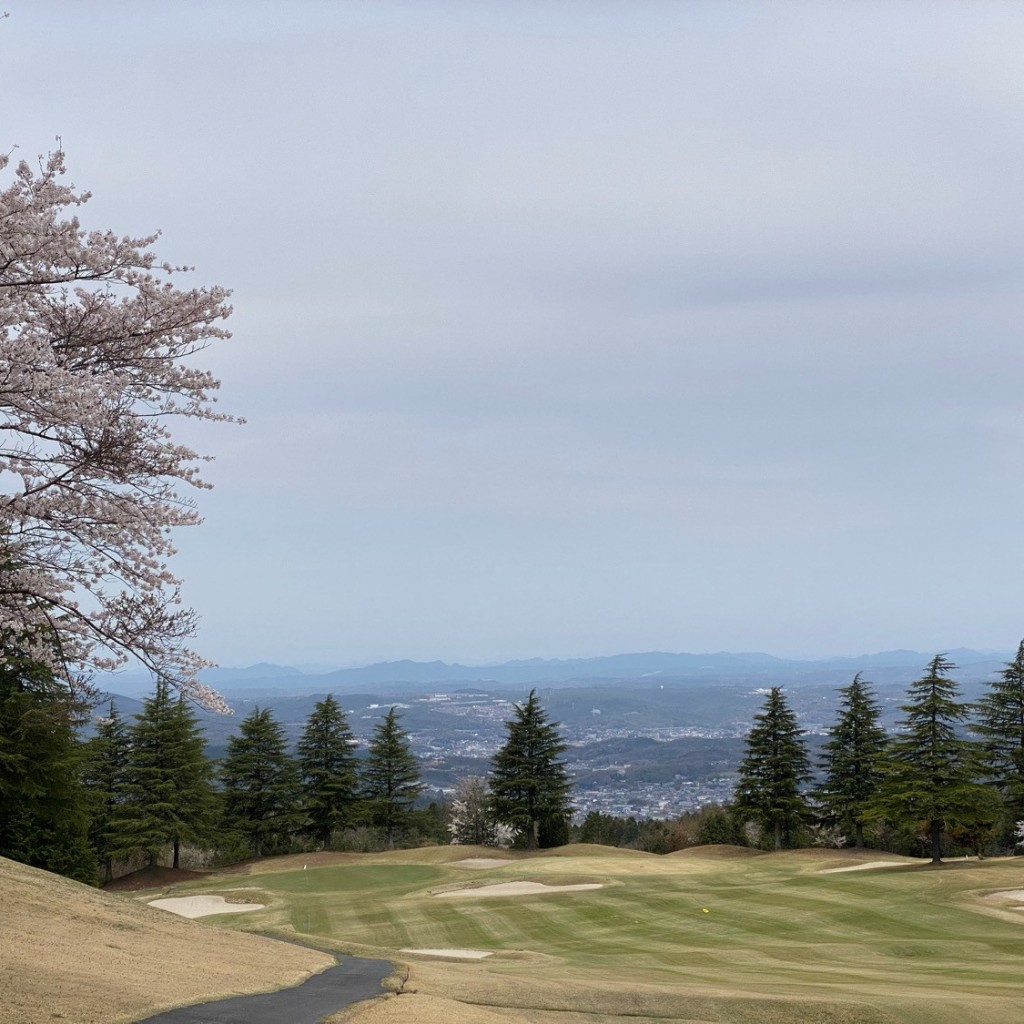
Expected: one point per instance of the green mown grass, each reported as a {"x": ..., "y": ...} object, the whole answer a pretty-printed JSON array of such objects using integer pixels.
[{"x": 910, "y": 943}]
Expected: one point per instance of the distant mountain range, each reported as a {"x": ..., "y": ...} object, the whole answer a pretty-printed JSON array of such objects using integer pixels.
[{"x": 643, "y": 669}]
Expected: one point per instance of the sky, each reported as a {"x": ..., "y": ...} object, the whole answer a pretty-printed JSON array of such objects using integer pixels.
[{"x": 571, "y": 328}]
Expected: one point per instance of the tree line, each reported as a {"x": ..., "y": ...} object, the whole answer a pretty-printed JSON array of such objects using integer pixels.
[
  {"x": 950, "y": 778},
  {"x": 952, "y": 771},
  {"x": 147, "y": 789}
]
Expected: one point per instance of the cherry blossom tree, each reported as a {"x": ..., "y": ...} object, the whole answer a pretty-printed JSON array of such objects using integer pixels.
[{"x": 96, "y": 340}]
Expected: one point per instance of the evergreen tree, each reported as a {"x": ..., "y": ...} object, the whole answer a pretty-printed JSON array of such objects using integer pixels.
[
  {"x": 931, "y": 772},
  {"x": 852, "y": 761},
  {"x": 390, "y": 777},
  {"x": 106, "y": 778},
  {"x": 43, "y": 805},
  {"x": 170, "y": 780},
  {"x": 530, "y": 785},
  {"x": 774, "y": 770},
  {"x": 1000, "y": 725},
  {"x": 261, "y": 784},
  {"x": 327, "y": 767}
]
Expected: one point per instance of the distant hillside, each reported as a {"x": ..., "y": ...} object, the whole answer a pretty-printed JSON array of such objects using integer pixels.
[
  {"x": 652, "y": 667},
  {"x": 78, "y": 955}
]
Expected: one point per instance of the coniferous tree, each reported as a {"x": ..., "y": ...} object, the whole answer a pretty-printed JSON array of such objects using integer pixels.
[
  {"x": 261, "y": 784},
  {"x": 43, "y": 805},
  {"x": 774, "y": 770},
  {"x": 106, "y": 778},
  {"x": 170, "y": 780},
  {"x": 852, "y": 761},
  {"x": 327, "y": 767},
  {"x": 1000, "y": 725},
  {"x": 390, "y": 777},
  {"x": 930, "y": 771},
  {"x": 530, "y": 785}
]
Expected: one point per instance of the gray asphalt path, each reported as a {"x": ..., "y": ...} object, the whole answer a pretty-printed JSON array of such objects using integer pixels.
[{"x": 350, "y": 982}]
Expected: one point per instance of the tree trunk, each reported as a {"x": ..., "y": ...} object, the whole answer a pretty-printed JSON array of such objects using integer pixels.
[
  {"x": 177, "y": 853},
  {"x": 858, "y": 834},
  {"x": 935, "y": 828},
  {"x": 778, "y": 835},
  {"x": 532, "y": 834}
]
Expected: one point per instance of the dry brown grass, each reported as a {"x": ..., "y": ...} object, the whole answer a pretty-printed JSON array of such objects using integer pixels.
[
  {"x": 475, "y": 994},
  {"x": 716, "y": 851},
  {"x": 75, "y": 954}
]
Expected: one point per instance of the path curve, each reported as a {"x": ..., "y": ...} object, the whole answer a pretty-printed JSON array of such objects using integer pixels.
[{"x": 351, "y": 981}]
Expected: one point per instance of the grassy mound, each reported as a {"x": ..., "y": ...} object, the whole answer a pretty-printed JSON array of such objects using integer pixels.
[
  {"x": 82, "y": 956},
  {"x": 717, "y": 851},
  {"x": 153, "y": 878}
]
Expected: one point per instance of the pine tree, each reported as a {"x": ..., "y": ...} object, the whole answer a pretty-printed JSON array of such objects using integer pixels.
[
  {"x": 170, "y": 780},
  {"x": 774, "y": 770},
  {"x": 852, "y": 761},
  {"x": 327, "y": 767},
  {"x": 106, "y": 778},
  {"x": 931, "y": 772},
  {"x": 261, "y": 784},
  {"x": 43, "y": 805},
  {"x": 1000, "y": 725},
  {"x": 390, "y": 777},
  {"x": 530, "y": 785}
]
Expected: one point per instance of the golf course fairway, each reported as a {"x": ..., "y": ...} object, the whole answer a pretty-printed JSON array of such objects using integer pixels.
[{"x": 709, "y": 934}]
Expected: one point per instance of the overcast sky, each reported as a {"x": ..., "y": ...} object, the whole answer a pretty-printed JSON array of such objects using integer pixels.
[{"x": 571, "y": 328}]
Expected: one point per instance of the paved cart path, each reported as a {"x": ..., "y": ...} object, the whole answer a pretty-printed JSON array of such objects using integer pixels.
[{"x": 351, "y": 981}]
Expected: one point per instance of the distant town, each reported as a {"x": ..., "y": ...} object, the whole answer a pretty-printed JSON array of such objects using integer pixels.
[{"x": 649, "y": 735}]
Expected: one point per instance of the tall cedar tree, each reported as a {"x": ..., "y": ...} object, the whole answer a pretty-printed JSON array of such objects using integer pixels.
[
  {"x": 261, "y": 784},
  {"x": 43, "y": 805},
  {"x": 772, "y": 773},
  {"x": 530, "y": 786},
  {"x": 852, "y": 761},
  {"x": 327, "y": 767},
  {"x": 390, "y": 777},
  {"x": 106, "y": 774},
  {"x": 931, "y": 772},
  {"x": 170, "y": 779},
  {"x": 1000, "y": 724}
]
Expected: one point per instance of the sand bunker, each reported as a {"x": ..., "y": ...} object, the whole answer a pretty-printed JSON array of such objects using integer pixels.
[
  {"x": 202, "y": 906},
  {"x": 863, "y": 867},
  {"x": 483, "y": 862},
  {"x": 462, "y": 954},
  {"x": 517, "y": 889},
  {"x": 1009, "y": 894}
]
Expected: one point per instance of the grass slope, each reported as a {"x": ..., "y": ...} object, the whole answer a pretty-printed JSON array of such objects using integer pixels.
[
  {"x": 780, "y": 941},
  {"x": 81, "y": 956}
]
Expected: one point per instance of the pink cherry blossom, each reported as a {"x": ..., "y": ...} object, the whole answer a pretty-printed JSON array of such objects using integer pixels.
[{"x": 96, "y": 348}]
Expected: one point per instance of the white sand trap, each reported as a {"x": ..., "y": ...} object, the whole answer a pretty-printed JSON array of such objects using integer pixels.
[
  {"x": 863, "y": 867},
  {"x": 517, "y": 889},
  {"x": 483, "y": 862},
  {"x": 462, "y": 954},
  {"x": 203, "y": 906},
  {"x": 1009, "y": 894}
]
